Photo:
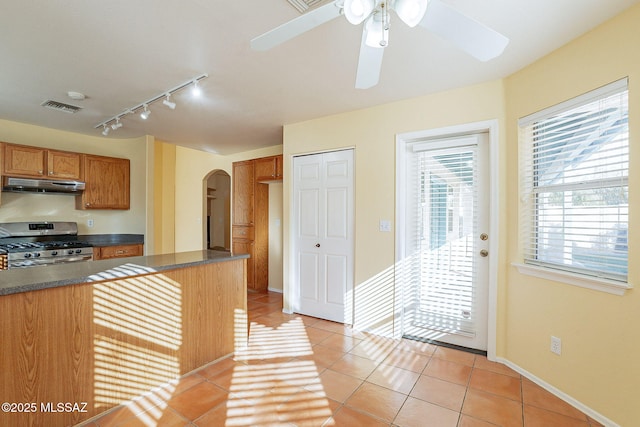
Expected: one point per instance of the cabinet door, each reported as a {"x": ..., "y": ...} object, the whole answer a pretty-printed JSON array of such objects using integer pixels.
[
  {"x": 63, "y": 165},
  {"x": 265, "y": 169},
  {"x": 24, "y": 161},
  {"x": 269, "y": 169},
  {"x": 243, "y": 188},
  {"x": 246, "y": 247},
  {"x": 107, "y": 183}
]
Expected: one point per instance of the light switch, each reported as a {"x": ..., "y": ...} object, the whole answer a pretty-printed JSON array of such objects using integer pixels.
[{"x": 385, "y": 225}]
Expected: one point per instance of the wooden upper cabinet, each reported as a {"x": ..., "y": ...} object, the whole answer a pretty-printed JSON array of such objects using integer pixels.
[
  {"x": 20, "y": 160},
  {"x": 243, "y": 192},
  {"x": 269, "y": 169},
  {"x": 64, "y": 165},
  {"x": 35, "y": 162},
  {"x": 107, "y": 183}
]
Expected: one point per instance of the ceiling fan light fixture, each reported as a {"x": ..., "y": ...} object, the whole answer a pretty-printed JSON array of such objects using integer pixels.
[
  {"x": 356, "y": 11},
  {"x": 377, "y": 34},
  {"x": 411, "y": 11}
]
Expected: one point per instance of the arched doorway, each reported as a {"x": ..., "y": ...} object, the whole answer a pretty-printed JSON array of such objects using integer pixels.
[{"x": 217, "y": 200}]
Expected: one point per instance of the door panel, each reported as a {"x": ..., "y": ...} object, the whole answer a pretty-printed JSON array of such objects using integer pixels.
[
  {"x": 323, "y": 246},
  {"x": 447, "y": 293}
]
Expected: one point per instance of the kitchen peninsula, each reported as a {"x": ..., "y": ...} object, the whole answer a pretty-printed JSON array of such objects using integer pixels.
[{"x": 93, "y": 335}]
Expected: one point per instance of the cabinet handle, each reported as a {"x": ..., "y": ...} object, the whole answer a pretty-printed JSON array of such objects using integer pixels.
[
  {"x": 120, "y": 252},
  {"x": 41, "y": 172},
  {"x": 50, "y": 172},
  {"x": 87, "y": 204}
]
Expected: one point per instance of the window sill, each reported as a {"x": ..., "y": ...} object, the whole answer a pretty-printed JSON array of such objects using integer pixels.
[{"x": 602, "y": 285}]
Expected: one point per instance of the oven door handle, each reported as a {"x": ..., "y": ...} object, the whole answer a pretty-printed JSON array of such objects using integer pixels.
[{"x": 73, "y": 259}]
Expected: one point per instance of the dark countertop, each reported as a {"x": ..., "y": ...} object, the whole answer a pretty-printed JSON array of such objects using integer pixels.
[
  {"x": 112, "y": 239},
  {"x": 51, "y": 276}
]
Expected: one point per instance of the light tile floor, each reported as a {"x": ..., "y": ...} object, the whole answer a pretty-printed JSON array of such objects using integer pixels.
[{"x": 303, "y": 371}]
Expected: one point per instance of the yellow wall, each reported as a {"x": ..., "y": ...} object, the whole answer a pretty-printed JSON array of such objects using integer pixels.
[
  {"x": 164, "y": 190},
  {"x": 32, "y": 207},
  {"x": 600, "y": 332},
  {"x": 372, "y": 132},
  {"x": 191, "y": 169}
]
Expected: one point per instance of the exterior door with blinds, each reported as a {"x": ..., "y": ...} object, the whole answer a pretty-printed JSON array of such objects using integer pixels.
[{"x": 446, "y": 243}]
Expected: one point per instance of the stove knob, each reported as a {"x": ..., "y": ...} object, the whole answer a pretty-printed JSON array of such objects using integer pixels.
[
  {"x": 54, "y": 253},
  {"x": 36, "y": 254},
  {"x": 78, "y": 251},
  {"x": 70, "y": 251},
  {"x": 27, "y": 255}
]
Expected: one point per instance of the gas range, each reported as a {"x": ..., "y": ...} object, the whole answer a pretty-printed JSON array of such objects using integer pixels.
[{"x": 27, "y": 244}]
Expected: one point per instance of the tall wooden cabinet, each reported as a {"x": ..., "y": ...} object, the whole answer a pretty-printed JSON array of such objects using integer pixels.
[{"x": 250, "y": 230}]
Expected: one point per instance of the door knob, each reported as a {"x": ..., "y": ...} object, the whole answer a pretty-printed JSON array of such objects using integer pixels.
[
  {"x": 484, "y": 253},
  {"x": 317, "y": 245},
  {"x": 484, "y": 236}
]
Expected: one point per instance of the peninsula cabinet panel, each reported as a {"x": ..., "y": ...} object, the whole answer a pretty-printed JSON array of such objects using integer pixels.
[
  {"x": 64, "y": 165},
  {"x": 20, "y": 160},
  {"x": 107, "y": 183},
  {"x": 102, "y": 344}
]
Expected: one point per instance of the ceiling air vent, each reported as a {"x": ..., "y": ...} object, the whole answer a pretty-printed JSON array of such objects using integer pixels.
[
  {"x": 61, "y": 106},
  {"x": 304, "y": 5}
]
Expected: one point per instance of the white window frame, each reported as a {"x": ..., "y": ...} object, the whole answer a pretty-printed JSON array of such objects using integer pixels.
[{"x": 585, "y": 280}]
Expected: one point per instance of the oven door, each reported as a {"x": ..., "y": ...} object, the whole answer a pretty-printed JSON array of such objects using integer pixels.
[{"x": 33, "y": 262}]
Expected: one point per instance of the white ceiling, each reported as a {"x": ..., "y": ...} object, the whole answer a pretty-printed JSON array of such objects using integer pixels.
[{"x": 120, "y": 53}]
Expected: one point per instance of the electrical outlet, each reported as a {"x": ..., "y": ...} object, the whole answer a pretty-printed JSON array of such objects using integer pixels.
[
  {"x": 556, "y": 345},
  {"x": 90, "y": 223}
]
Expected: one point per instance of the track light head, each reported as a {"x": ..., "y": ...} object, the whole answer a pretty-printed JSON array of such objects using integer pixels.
[
  {"x": 195, "y": 90},
  {"x": 116, "y": 125},
  {"x": 105, "y": 131},
  {"x": 146, "y": 113},
  {"x": 168, "y": 103}
]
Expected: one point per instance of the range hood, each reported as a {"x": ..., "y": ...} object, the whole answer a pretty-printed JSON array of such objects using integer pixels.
[{"x": 25, "y": 185}]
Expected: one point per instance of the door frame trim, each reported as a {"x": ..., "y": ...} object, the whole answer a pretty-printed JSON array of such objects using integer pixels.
[
  {"x": 402, "y": 140},
  {"x": 292, "y": 292}
]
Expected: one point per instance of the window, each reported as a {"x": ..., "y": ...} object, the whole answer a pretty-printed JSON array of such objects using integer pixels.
[{"x": 574, "y": 185}]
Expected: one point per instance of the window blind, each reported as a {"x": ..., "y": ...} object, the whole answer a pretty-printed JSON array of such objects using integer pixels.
[
  {"x": 443, "y": 228},
  {"x": 574, "y": 184}
]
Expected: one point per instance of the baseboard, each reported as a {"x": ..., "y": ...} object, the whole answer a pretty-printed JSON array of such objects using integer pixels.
[
  {"x": 559, "y": 394},
  {"x": 278, "y": 291}
]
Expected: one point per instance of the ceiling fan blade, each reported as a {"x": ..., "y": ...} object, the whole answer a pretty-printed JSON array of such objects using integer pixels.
[
  {"x": 369, "y": 64},
  {"x": 297, "y": 26},
  {"x": 475, "y": 38}
]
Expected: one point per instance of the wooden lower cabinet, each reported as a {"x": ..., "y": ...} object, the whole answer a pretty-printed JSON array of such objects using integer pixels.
[
  {"x": 120, "y": 251},
  {"x": 241, "y": 246}
]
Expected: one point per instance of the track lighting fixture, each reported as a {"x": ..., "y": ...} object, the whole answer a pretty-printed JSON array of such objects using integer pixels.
[
  {"x": 143, "y": 108},
  {"x": 146, "y": 113},
  {"x": 195, "y": 90},
  {"x": 168, "y": 103}
]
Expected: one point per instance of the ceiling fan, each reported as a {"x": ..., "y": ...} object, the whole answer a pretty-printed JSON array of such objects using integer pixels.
[{"x": 471, "y": 36}]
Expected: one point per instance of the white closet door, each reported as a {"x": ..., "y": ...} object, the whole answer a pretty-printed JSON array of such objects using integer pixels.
[{"x": 323, "y": 242}]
